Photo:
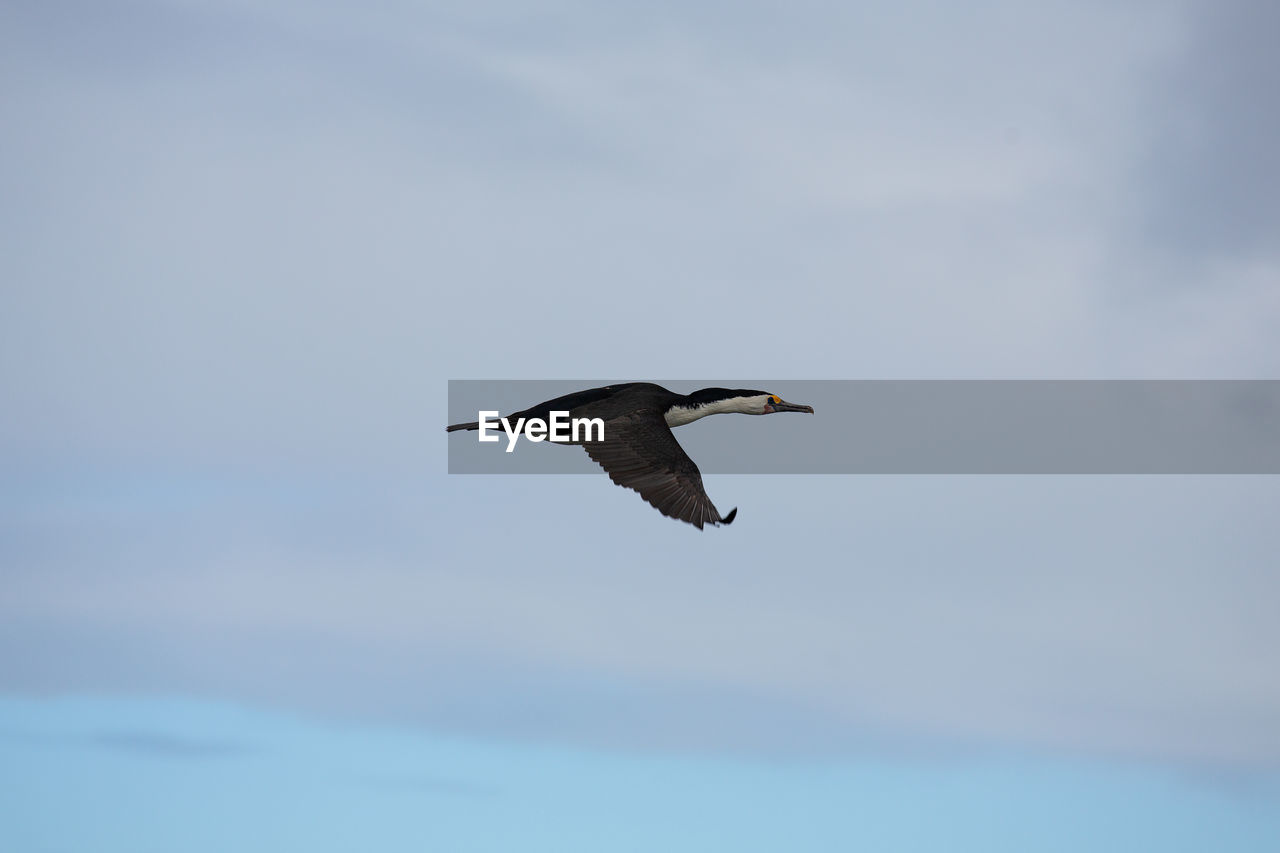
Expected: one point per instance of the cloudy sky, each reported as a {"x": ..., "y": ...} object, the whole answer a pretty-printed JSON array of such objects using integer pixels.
[{"x": 245, "y": 245}]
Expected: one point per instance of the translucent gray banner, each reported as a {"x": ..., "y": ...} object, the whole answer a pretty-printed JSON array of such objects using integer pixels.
[{"x": 926, "y": 427}]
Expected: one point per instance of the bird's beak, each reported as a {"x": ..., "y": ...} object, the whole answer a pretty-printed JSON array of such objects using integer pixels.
[{"x": 784, "y": 406}]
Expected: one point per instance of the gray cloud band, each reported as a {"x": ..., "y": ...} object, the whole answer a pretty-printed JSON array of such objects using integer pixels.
[{"x": 928, "y": 427}]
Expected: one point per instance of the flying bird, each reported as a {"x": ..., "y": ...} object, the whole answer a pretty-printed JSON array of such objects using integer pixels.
[{"x": 638, "y": 449}]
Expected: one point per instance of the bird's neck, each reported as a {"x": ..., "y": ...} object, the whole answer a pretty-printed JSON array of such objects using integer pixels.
[{"x": 687, "y": 412}]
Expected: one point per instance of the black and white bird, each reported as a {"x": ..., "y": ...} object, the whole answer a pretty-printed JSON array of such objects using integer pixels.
[{"x": 638, "y": 450}]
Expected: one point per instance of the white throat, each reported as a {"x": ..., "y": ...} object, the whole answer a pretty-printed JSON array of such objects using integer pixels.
[{"x": 681, "y": 415}]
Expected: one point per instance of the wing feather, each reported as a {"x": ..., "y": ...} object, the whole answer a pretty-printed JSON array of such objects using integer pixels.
[{"x": 640, "y": 453}]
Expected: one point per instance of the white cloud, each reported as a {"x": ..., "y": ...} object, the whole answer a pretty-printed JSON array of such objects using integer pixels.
[{"x": 258, "y": 238}]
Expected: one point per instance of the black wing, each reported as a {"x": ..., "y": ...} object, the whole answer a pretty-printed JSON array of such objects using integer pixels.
[{"x": 640, "y": 452}]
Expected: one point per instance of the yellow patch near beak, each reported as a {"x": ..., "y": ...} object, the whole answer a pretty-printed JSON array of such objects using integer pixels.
[{"x": 775, "y": 398}]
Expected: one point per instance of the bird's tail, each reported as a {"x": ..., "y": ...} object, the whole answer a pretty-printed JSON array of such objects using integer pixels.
[{"x": 456, "y": 427}]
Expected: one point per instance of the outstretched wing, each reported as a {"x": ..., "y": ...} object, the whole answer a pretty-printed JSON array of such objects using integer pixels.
[{"x": 639, "y": 452}]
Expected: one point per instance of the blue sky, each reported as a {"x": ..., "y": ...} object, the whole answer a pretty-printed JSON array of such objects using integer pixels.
[
  {"x": 246, "y": 244},
  {"x": 159, "y": 774}
]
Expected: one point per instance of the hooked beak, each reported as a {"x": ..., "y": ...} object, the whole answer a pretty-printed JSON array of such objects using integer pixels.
[{"x": 784, "y": 406}]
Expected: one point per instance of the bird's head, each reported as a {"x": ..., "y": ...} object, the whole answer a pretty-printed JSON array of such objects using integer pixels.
[
  {"x": 746, "y": 401},
  {"x": 773, "y": 403}
]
